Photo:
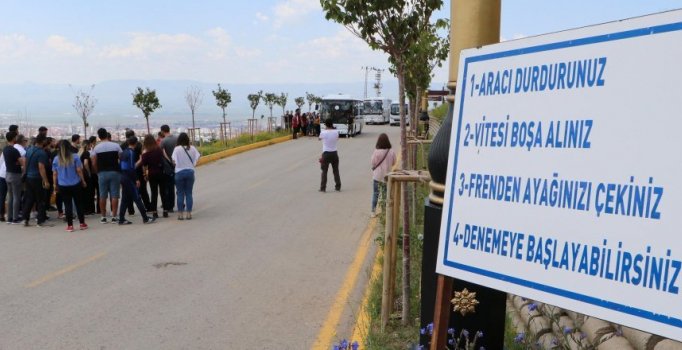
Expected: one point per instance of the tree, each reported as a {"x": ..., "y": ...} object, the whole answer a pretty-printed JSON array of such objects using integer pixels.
[
  {"x": 299, "y": 101},
  {"x": 282, "y": 102},
  {"x": 392, "y": 27},
  {"x": 222, "y": 98},
  {"x": 147, "y": 102},
  {"x": 193, "y": 96},
  {"x": 429, "y": 52},
  {"x": 84, "y": 103},
  {"x": 254, "y": 99},
  {"x": 270, "y": 100},
  {"x": 311, "y": 99}
]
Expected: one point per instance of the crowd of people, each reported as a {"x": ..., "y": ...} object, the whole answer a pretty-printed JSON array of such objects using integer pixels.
[
  {"x": 83, "y": 177},
  {"x": 303, "y": 124}
]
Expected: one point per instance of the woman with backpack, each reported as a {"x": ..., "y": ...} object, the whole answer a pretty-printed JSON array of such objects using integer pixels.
[
  {"x": 67, "y": 175},
  {"x": 152, "y": 163},
  {"x": 185, "y": 158},
  {"x": 383, "y": 160}
]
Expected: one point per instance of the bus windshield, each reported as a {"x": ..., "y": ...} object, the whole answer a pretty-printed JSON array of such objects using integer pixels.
[
  {"x": 337, "y": 110},
  {"x": 373, "y": 107},
  {"x": 395, "y": 109}
]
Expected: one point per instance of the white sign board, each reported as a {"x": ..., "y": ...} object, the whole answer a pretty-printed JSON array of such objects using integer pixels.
[{"x": 565, "y": 173}]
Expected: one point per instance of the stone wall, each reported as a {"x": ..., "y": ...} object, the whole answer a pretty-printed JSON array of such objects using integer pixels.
[{"x": 548, "y": 325}]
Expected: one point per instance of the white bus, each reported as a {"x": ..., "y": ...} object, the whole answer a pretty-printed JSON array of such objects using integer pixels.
[
  {"x": 340, "y": 108},
  {"x": 376, "y": 110},
  {"x": 395, "y": 114}
]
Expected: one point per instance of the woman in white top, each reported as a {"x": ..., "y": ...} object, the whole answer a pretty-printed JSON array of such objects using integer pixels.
[
  {"x": 185, "y": 158},
  {"x": 383, "y": 160}
]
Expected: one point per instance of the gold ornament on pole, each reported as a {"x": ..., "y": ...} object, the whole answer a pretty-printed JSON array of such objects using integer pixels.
[{"x": 465, "y": 302}]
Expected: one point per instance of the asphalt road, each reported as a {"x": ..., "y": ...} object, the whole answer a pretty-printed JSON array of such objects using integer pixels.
[{"x": 258, "y": 268}]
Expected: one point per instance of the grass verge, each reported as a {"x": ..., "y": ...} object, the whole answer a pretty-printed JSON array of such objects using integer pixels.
[{"x": 241, "y": 140}]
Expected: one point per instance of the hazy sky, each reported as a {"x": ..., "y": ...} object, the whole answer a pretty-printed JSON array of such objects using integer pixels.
[{"x": 259, "y": 41}]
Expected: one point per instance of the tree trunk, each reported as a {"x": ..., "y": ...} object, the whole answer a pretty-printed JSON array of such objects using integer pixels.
[
  {"x": 194, "y": 130},
  {"x": 405, "y": 197},
  {"x": 417, "y": 111},
  {"x": 85, "y": 129},
  {"x": 146, "y": 117}
]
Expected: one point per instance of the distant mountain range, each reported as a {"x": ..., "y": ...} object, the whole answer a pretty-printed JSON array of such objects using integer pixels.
[{"x": 51, "y": 104}]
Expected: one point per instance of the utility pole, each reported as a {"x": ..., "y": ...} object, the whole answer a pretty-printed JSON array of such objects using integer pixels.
[{"x": 377, "y": 77}]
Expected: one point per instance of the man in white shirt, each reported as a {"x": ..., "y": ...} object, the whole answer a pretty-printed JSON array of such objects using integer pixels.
[{"x": 330, "y": 139}]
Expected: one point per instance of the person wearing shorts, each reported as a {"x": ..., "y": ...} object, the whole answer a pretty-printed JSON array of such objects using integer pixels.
[{"x": 105, "y": 161}]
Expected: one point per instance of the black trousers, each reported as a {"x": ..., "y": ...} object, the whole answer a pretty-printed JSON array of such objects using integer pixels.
[
  {"x": 35, "y": 194},
  {"x": 71, "y": 194},
  {"x": 168, "y": 192},
  {"x": 330, "y": 158},
  {"x": 144, "y": 196},
  {"x": 155, "y": 185}
]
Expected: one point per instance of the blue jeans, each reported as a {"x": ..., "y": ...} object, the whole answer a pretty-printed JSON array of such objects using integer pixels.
[
  {"x": 109, "y": 184},
  {"x": 184, "y": 183},
  {"x": 378, "y": 187},
  {"x": 3, "y": 196}
]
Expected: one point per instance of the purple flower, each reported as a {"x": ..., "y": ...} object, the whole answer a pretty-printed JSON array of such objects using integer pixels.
[
  {"x": 451, "y": 331},
  {"x": 568, "y": 330},
  {"x": 555, "y": 342},
  {"x": 355, "y": 346},
  {"x": 519, "y": 338},
  {"x": 422, "y": 331},
  {"x": 335, "y": 347},
  {"x": 479, "y": 334},
  {"x": 583, "y": 335},
  {"x": 465, "y": 333},
  {"x": 429, "y": 327},
  {"x": 344, "y": 344},
  {"x": 619, "y": 331},
  {"x": 532, "y": 307},
  {"x": 451, "y": 341}
]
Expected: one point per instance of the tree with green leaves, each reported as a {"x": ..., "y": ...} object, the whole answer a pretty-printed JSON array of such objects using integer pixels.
[
  {"x": 270, "y": 101},
  {"x": 147, "y": 102},
  {"x": 84, "y": 103},
  {"x": 254, "y": 99},
  {"x": 392, "y": 26},
  {"x": 299, "y": 101},
  {"x": 222, "y": 99},
  {"x": 428, "y": 53},
  {"x": 311, "y": 99},
  {"x": 282, "y": 102}
]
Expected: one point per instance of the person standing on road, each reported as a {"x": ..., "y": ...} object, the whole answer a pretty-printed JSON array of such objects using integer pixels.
[
  {"x": 14, "y": 163},
  {"x": 89, "y": 192},
  {"x": 3, "y": 187},
  {"x": 69, "y": 181},
  {"x": 168, "y": 186},
  {"x": 105, "y": 162},
  {"x": 151, "y": 162},
  {"x": 36, "y": 181},
  {"x": 330, "y": 155},
  {"x": 383, "y": 159},
  {"x": 296, "y": 123},
  {"x": 185, "y": 158},
  {"x": 130, "y": 185}
]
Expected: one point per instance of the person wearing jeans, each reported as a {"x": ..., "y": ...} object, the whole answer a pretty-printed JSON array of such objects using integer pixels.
[
  {"x": 185, "y": 158},
  {"x": 383, "y": 159},
  {"x": 167, "y": 145},
  {"x": 3, "y": 187}
]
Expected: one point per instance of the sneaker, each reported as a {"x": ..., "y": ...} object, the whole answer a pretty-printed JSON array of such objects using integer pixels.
[
  {"x": 114, "y": 220},
  {"x": 69, "y": 228},
  {"x": 181, "y": 217},
  {"x": 322, "y": 190},
  {"x": 83, "y": 227},
  {"x": 15, "y": 222},
  {"x": 45, "y": 224},
  {"x": 165, "y": 214},
  {"x": 149, "y": 221},
  {"x": 188, "y": 216},
  {"x": 26, "y": 224},
  {"x": 156, "y": 215},
  {"x": 60, "y": 216},
  {"x": 103, "y": 220},
  {"x": 125, "y": 222}
]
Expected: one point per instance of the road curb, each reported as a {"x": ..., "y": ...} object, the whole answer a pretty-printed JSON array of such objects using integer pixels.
[
  {"x": 362, "y": 325},
  {"x": 241, "y": 149}
]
